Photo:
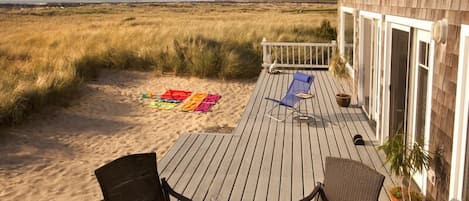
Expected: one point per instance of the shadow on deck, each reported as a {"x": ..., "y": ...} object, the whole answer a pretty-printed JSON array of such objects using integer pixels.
[{"x": 268, "y": 160}]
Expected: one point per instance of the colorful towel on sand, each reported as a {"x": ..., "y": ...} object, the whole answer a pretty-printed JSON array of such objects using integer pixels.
[
  {"x": 168, "y": 100},
  {"x": 178, "y": 95},
  {"x": 208, "y": 102},
  {"x": 193, "y": 102},
  {"x": 162, "y": 105}
]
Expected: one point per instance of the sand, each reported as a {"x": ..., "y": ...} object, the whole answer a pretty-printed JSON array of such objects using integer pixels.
[{"x": 53, "y": 154}]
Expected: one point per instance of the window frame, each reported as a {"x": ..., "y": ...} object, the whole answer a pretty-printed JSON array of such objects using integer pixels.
[
  {"x": 411, "y": 25},
  {"x": 343, "y": 10},
  {"x": 375, "y": 112},
  {"x": 458, "y": 158}
]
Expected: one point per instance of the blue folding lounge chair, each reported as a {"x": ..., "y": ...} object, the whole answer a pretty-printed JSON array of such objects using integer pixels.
[{"x": 301, "y": 84}]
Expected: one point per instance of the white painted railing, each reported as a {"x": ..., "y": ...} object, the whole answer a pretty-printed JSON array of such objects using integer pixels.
[{"x": 297, "y": 55}]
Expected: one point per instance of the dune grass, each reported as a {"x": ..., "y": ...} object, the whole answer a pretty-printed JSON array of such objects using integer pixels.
[{"x": 46, "y": 52}]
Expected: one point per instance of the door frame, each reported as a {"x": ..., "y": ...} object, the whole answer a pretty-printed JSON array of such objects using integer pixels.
[
  {"x": 341, "y": 36},
  {"x": 405, "y": 24},
  {"x": 387, "y": 76},
  {"x": 458, "y": 160},
  {"x": 375, "y": 90},
  {"x": 343, "y": 10}
]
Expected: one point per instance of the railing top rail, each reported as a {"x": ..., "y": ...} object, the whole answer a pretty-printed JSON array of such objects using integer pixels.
[{"x": 298, "y": 44}]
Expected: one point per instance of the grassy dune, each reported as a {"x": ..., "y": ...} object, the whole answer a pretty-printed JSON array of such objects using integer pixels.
[{"x": 46, "y": 52}]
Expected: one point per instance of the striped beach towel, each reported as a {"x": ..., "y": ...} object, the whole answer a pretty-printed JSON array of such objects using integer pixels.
[
  {"x": 193, "y": 102},
  {"x": 162, "y": 105},
  {"x": 208, "y": 102}
]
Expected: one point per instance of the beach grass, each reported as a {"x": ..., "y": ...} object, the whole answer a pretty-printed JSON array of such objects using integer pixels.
[{"x": 46, "y": 52}]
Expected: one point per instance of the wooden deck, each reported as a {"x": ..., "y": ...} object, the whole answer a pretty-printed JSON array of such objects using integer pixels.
[{"x": 268, "y": 160}]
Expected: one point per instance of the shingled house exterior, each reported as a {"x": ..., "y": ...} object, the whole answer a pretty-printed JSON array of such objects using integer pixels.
[{"x": 407, "y": 74}]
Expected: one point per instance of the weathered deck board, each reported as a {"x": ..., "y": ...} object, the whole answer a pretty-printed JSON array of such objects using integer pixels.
[
  {"x": 245, "y": 147},
  {"x": 168, "y": 169},
  {"x": 286, "y": 176},
  {"x": 206, "y": 171},
  {"x": 255, "y": 167},
  {"x": 307, "y": 163},
  {"x": 347, "y": 117},
  {"x": 217, "y": 183},
  {"x": 174, "y": 149},
  {"x": 264, "y": 159},
  {"x": 256, "y": 133},
  {"x": 273, "y": 190},
  {"x": 365, "y": 129}
]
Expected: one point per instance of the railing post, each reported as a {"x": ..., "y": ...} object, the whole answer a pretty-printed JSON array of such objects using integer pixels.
[{"x": 265, "y": 54}]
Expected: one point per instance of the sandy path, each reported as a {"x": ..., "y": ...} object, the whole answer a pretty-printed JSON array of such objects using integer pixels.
[{"x": 53, "y": 155}]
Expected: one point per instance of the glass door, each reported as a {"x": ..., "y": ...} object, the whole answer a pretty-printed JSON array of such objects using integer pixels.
[
  {"x": 368, "y": 66},
  {"x": 400, "y": 45},
  {"x": 420, "y": 95}
]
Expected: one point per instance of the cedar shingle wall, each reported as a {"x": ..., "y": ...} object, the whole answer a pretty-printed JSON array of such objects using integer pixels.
[{"x": 445, "y": 70}]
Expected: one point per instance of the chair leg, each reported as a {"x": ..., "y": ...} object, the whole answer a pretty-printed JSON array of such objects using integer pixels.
[
  {"x": 293, "y": 110},
  {"x": 269, "y": 113}
]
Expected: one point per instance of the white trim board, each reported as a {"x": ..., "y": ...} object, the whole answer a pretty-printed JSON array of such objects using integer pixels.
[
  {"x": 347, "y": 9},
  {"x": 372, "y": 15},
  {"x": 415, "y": 23},
  {"x": 460, "y": 121},
  {"x": 341, "y": 36}
]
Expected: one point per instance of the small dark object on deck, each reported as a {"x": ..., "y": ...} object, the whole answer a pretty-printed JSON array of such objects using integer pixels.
[
  {"x": 134, "y": 177},
  {"x": 341, "y": 178},
  {"x": 358, "y": 140}
]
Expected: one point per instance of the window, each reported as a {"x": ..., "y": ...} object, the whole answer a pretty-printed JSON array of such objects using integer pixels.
[{"x": 421, "y": 94}]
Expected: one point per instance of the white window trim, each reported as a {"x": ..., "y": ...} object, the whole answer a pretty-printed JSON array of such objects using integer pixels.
[
  {"x": 460, "y": 123},
  {"x": 414, "y": 23},
  {"x": 344, "y": 9},
  {"x": 379, "y": 17},
  {"x": 347, "y": 9},
  {"x": 414, "y": 61},
  {"x": 372, "y": 15}
]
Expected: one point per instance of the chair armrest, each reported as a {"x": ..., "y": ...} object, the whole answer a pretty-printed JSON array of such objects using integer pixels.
[
  {"x": 173, "y": 193},
  {"x": 318, "y": 190}
]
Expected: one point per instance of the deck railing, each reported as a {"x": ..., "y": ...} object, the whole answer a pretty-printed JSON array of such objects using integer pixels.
[{"x": 297, "y": 55}]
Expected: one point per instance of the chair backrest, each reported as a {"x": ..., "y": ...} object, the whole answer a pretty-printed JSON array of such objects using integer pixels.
[
  {"x": 349, "y": 180},
  {"x": 301, "y": 83},
  {"x": 132, "y": 177}
]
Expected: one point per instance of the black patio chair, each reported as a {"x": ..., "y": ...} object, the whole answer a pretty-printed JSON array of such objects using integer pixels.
[
  {"x": 134, "y": 178},
  {"x": 347, "y": 180}
]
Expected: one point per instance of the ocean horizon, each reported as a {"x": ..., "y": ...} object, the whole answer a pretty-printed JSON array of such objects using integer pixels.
[
  {"x": 45, "y": 2},
  {"x": 40, "y": 2}
]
